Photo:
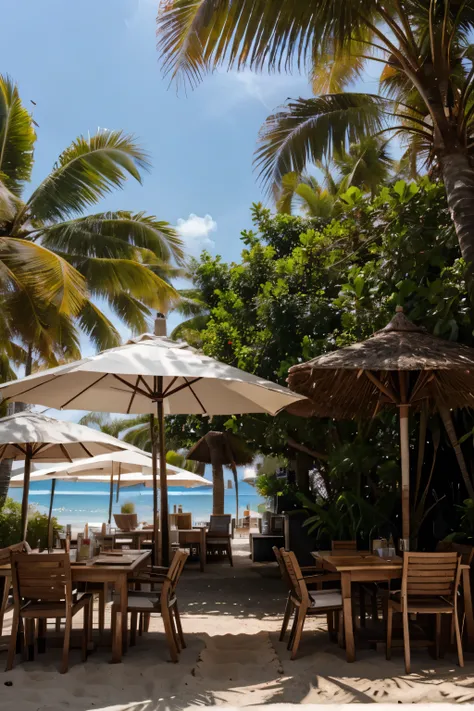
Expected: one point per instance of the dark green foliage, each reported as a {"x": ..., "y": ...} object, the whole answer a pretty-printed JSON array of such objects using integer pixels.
[{"x": 10, "y": 525}]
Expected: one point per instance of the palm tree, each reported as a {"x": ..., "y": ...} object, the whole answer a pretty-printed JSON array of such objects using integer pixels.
[
  {"x": 53, "y": 257},
  {"x": 426, "y": 81}
]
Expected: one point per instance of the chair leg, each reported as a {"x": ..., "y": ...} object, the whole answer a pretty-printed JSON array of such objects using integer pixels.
[
  {"x": 67, "y": 642},
  {"x": 168, "y": 625},
  {"x": 58, "y": 625},
  {"x": 298, "y": 632},
  {"x": 113, "y": 620},
  {"x": 286, "y": 617},
  {"x": 330, "y": 624},
  {"x": 229, "y": 553},
  {"x": 362, "y": 605},
  {"x": 133, "y": 628},
  {"x": 179, "y": 626},
  {"x": 293, "y": 630},
  {"x": 30, "y": 639},
  {"x": 13, "y": 640},
  {"x": 3, "y": 603},
  {"x": 146, "y": 622},
  {"x": 437, "y": 635},
  {"x": 174, "y": 630},
  {"x": 388, "y": 649},
  {"x": 85, "y": 630},
  {"x": 102, "y": 600},
  {"x": 340, "y": 631},
  {"x": 406, "y": 641},
  {"x": 140, "y": 624},
  {"x": 458, "y": 638}
]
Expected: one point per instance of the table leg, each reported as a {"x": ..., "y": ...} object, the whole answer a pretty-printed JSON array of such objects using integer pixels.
[
  {"x": 348, "y": 622},
  {"x": 118, "y": 644},
  {"x": 466, "y": 589},
  {"x": 202, "y": 549}
]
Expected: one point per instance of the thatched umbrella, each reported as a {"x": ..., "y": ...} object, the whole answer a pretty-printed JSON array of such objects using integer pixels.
[
  {"x": 219, "y": 449},
  {"x": 401, "y": 365}
]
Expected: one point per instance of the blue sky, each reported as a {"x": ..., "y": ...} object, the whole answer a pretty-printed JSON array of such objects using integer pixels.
[{"x": 94, "y": 63}]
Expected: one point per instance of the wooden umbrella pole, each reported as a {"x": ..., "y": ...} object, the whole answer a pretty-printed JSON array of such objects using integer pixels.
[
  {"x": 405, "y": 466},
  {"x": 111, "y": 497},
  {"x": 26, "y": 491},
  {"x": 156, "y": 547},
  {"x": 50, "y": 515},
  {"x": 118, "y": 482},
  {"x": 165, "y": 533}
]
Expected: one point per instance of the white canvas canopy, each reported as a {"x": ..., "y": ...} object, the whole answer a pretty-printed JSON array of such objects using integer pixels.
[
  {"x": 184, "y": 479},
  {"x": 152, "y": 374},
  {"x": 34, "y": 437}
]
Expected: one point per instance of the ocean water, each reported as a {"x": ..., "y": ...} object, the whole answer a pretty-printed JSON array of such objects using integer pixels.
[{"x": 80, "y": 502}]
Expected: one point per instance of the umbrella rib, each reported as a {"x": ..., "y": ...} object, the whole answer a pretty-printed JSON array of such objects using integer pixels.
[
  {"x": 84, "y": 390},
  {"x": 38, "y": 385},
  {"x": 200, "y": 403},
  {"x": 41, "y": 446},
  {"x": 65, "y": 452},
  {"x": 165, "y": 392},
  {"x": 89, "y": 454},
  {"x": 181, "y": 387},
  {"x": 4, "y": 447},
  {"x": 137, "y": 390},
  {"x": 133, "y": 396},
  {"x": 140, "y": 377},
  {"x": 386, "y": 390}
]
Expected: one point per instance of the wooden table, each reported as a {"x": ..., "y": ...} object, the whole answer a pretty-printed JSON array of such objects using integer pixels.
[
  {"x": 89, "y": 572},
  {"x": 372, "y": 568},
  {"x": 189, "y": 537}
]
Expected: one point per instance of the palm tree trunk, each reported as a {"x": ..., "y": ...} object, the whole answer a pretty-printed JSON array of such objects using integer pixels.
[
  {"x": 449, "y": 426},
  {"x": 218, "y": 489},
  {"x": 458, "y": 176}
]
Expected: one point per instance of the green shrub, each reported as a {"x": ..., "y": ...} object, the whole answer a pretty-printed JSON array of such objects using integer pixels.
[
  {"x": 10, "y": 525},
  {"x": 128, "y": 508}
]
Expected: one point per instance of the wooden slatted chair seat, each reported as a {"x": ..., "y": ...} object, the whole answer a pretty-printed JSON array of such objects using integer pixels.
[
  {"x": 430, "y": 584},
  {"x": 325, "y": 599}
]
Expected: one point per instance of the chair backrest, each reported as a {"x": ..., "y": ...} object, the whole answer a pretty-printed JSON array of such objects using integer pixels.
[
  {"x": 41, "y": 577},
  {"x": 295, "y": 576},
  {"x": 220, "y": 524},
  {"x": 431, "y": 574},
  {"x": 343, "y": 546},
  {"x": 183, "y": 521},
  {"x": 466, "y": 552},
  {"x": 174, "y": 573},
  {"x": 282, "y": 566}
]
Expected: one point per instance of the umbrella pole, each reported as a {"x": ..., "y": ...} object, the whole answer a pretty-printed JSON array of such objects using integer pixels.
[
  {"x": 156, "y": 548},
  {"x": 50, "y": 514},
  {"x": 118, "y": 482},
  {"x": 165, "y": 533},
  {"x": 405, "y": 466},
  {"x": 26, "y": 491},
  {"x": 111, "y": 497}
]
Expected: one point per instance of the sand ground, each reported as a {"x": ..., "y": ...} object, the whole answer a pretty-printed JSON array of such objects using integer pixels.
[{"x": 231, "y": 619}]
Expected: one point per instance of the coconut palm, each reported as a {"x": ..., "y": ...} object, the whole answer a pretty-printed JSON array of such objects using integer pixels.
[
  {"x": 426, "y": 81},
  {"x": 51, "y": 253}
]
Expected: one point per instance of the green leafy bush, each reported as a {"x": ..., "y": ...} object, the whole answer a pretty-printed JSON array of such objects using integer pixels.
[
  {"x": 10, "y": 525},
  {"x": 128, "y": 508}
]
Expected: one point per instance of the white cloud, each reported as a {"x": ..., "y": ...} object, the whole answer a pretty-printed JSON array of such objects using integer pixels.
[{"x": 195, "y": 231}]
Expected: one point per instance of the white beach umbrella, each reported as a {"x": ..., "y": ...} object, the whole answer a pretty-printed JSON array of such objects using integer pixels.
[
  {"x": 33, "y": 437},
  {"x": 152, "y": 374}
]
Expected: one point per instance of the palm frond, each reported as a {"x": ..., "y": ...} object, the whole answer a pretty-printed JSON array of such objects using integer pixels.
[
  {"x": 116, "y": 235},
  {"x": 95, "y": 324},
  {"x": 17, "y": 138},
  {"x": 9, "y": 205},
  {"x": 131, "y": 312},
  {"x": 308, "y": 130},
  {"x": 189, "y": 330},
  {"x": 47, "y": 274},
  {"x": 85, "y": 173}
]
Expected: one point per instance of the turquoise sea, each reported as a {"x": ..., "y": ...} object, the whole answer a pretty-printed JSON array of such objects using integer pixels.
[{"x": 77, "y": 503}]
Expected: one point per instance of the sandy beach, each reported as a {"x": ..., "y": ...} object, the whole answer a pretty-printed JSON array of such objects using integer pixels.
[{"x": 231, "y": 619}]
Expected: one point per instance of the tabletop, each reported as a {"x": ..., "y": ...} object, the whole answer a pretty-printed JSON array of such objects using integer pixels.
[
  {"x": 128, "y": 562},
  {"x": 357, "y": 561}
]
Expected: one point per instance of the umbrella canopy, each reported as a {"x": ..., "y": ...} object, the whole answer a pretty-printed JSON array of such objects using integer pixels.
[
  {"x": 184, "y": 479},
  {"x": 401, "y": 365},
  {"x": 31, "y": 436},
  {"x": 219, "y": 449}
]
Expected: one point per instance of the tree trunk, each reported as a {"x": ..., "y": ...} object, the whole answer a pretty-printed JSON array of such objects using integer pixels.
[
  {"x": 449, "y": 426},
  {"x": 303, "y": 464},
  {"x": 458, "y": 176},
  {"x": 218, "y": 489}
]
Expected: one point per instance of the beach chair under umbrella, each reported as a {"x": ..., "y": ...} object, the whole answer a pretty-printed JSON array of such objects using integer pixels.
[
  {"x": 30, "y": 436},
  {"x": 401, "y": 366},
  {"x": 157, "y": 376}
]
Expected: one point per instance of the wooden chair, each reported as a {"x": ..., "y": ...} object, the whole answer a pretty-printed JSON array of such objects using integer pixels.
[
  {"x": 182, "y": 521},
  {"x": 429, "y": 586},
  {"x": 305, "y": 603},
  {"x": 218, "y": 536},
  {"x": 6, "y": 599},
  {"x": 344, "y": 546},
  {"x": 163, "y": 602},
  {"x": 42, "y": 589}
]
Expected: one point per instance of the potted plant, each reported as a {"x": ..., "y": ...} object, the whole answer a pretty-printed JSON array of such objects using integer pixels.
[{"x": 127, "y": 519}]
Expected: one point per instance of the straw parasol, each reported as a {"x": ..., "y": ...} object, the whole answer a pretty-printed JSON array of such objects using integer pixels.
[
  {"x": 154, "y": 375},
  {"x": 219, "y": 449},
  {"x": 401, "y": 365},
  {"x": 30, "y": 436}
]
